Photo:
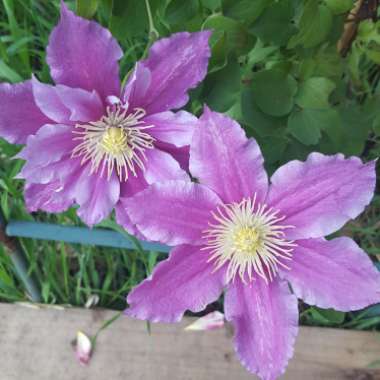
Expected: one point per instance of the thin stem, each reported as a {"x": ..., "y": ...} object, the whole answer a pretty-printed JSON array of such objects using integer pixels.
[
  {"x": 106, "y": 324},
  {"x": 153, "y": 33}
]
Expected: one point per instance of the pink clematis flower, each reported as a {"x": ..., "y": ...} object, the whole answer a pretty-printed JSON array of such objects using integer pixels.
[
  {"x": 210, "y": 321},
  {"x": 83, "y": 348},
  {"x": 90, "y": 142},
  {"x": 234, "y": 231}
]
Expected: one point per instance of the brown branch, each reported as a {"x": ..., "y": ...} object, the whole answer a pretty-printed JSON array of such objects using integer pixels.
[{"x": 350, "y": 30}]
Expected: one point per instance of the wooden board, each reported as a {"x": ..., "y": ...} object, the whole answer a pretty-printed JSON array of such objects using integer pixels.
[{"x": 35, "y": 344}]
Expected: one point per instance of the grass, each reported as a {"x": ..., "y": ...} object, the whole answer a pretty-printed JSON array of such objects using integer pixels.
[
  {"x": 71, "y": 274},
  {"x": 66, "y": 274}
]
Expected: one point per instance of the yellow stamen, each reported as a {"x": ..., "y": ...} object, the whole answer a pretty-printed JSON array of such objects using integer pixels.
[
  {"x": 249, "y": 238},
  {"x": 117, "y": 141},
  {"x": 114, "y": 140}
]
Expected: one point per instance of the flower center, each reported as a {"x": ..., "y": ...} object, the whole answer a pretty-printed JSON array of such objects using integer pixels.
[
  {"x": 249, "y": 238},
  {"x": 114, "y": 141},
  {"x": 246, "y": 239},
  {"x": 117, "y": 141}
]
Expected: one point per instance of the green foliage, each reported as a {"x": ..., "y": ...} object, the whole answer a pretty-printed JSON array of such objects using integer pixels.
[
  {"x": 339, "y": 6},
  {"x": 314, "y": 26},
  {"x": 179, "y": 11},
  {"x": 275, "y": 24},
  {"x": 87, "y": 8},
  {"x": 274, "y": 91},
  {"x": 274, "y": 67},
  {"x": 314, "y": 93}
]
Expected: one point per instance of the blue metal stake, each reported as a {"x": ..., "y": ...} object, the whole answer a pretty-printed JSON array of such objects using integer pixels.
[
  {"x": 69, "y": 234},
  {"x": 79, "y": 235}
]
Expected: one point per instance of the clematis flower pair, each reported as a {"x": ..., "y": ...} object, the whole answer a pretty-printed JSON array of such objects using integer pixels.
[
  {"x": 237, "y": 232},
  {"x": 93, "y": 143},
  {"x": 90, "y": 142}
]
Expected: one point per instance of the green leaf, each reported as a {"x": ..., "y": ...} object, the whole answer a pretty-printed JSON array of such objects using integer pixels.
[
  {"x": 327, "y": 316},
  {"x": 315, "y": 92},
  {"x": 296, "y": 151},
  {"x": 357, "y": 122},
  {"x": 87, "y": 8},
  {"x": 376, "y": 125},
  {"x": 235, "y": 111},
  {"x": 274, "y": 25},
  {"x": 314, "y": 26},
  {"x": 333, "y": 129},
  {"x": 274, "y": 91},
  {"x": 219, "y": 52},
  {"x": 212, "y": 5},
  {"x": 129, "y": 19},
  {"x": 373, "y": 55},
  {"x": 326, "y": 63},
  {"x": 273, "y": 148},
  {"x": 306, "y": 124},
  {"x": 368, "y": 32},
  {"x": 244, "y": 10},
  {"x": 260, "y": 53},
  {"x": 179, "y": 11},
  {"x": 339, "y": 6},
  {"x": 237, "y": 36},
  {"x": 262, "y": 124},
  {"x": 221, "y": 94}
]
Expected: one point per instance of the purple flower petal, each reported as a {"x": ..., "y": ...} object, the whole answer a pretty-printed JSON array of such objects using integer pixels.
[
  {"x": 19, "y": 114},
  {"x": 161, "y": 166},
  {"x": 128, "y": 189},
  {"x": 83, "y": 349},
  {"x": 265, "y": 318},
  {"x": 49, "y": 197},
  {"x": 44, "y": 174},
  {"x": 185, "y": 281},
  {"x": 133, "y": 185},
  {"x": 57, "y": 183},
  {"x": 320, "y": 195},
  {"x": 123, "y": 219},
  {"x": 181, "y": 155},
  {"x": 137, "y": 86},
  {"x": 173, "y": 212},
  {"x": 69, "y": 172},
  {"x": 84, "y": 105},
  {"x": 211, "y": 321},
  {"x": 47, "y": 99},
  {"x": 83, "y": 54},
  {"x": 176, "y": 64},
  {"x": 51, "y": 142},
  {"x": 173, "y": 128},
  {"x": 96, "y": 196},
  {"x": 65, "y": 104},
  {"x": 222, "y": 158},
  {"x": 333, "y": 274},
  {"x": 48, "y": 155}
]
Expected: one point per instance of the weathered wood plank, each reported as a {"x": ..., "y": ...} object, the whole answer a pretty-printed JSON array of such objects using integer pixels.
[{"x": 35, "y": 345}]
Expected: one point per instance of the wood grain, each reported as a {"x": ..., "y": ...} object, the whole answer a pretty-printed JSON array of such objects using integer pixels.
[{"x": 35, "y": 344}]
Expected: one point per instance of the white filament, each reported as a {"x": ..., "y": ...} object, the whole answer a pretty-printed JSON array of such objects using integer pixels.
[
  {"x": 249, "y": 238},
  {"x": 118, "y": 140}
]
